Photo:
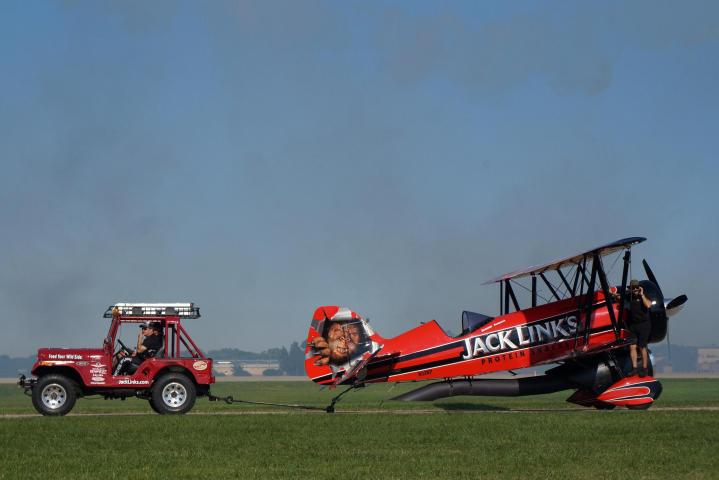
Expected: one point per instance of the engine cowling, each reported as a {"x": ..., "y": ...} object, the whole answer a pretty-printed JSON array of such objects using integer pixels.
[{"x": 657, "y": 311}]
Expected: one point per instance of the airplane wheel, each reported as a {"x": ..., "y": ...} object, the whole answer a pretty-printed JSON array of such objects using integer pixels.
[
  {"x": 605, "y": 407},
  {"x": 644, "y": 406}
]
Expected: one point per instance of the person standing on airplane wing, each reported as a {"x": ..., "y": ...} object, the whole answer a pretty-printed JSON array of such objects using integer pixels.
[{"x": 640, "y": 325}]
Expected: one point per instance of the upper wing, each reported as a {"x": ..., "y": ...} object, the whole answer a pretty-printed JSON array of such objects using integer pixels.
[{"x": 574, "y": 259}]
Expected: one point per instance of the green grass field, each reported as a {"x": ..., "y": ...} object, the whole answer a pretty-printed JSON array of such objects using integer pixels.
[{"x": 369, "y": 437}]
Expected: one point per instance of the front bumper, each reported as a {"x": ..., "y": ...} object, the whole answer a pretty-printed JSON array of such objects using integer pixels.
[{"x": 26, "y": 383}]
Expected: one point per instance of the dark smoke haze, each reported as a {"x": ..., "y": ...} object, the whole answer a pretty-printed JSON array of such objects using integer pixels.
[{"x": 264, "y": 158}]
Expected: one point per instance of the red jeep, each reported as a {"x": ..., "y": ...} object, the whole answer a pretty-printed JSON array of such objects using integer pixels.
[{"x": 170, "y": 378}]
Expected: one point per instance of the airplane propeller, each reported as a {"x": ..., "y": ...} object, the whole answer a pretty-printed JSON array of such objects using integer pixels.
[
  {"x": 671, "y": 305},
  {"x": 674, "y": 305},
  {"x": 662, "y": 308},
  {"x": 650, "y": 275}
]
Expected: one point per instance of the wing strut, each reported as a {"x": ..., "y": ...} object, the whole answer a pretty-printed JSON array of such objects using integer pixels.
[
  {"x": 565, "y": 282},
  {"x": 509, "y": 292},
  {"x": 623, "y": 291},
  {"x": 590, "y": 301},
  {"x": 576, "y": 278},
  {"x": 501, "y": 298},
  {"x": 583, "y": 271},
  {"x": 609, "y": 299},
  {"x": 579, "y": 297},
  {"x": 549, "y": 285}
]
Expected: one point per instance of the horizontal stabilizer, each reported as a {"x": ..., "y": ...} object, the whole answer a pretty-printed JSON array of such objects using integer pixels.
[{"x": 358, "y": 371}]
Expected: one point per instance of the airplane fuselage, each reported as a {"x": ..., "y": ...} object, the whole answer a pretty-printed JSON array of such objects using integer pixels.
[{"x": 544, "y": 334}]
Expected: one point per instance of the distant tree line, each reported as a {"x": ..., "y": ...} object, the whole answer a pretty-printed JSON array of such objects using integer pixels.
[
  {"x": 291, "y": 362},
  {"x": 236, "y": 353}
]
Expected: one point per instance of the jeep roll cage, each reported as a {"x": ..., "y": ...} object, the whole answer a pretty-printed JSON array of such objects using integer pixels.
[{"x": 168, "y": 315}]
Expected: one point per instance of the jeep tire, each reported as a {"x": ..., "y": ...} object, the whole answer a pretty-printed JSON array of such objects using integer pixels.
[
  {"x": 152, "y": 405},
  {"x": 173, "y": 393},
  {"x": 54, "y": 395}
]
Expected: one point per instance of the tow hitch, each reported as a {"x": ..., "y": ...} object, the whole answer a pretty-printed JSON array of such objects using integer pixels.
[{"x": 27, "y": 384}]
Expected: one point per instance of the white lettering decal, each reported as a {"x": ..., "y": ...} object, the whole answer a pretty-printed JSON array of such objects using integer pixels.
[
  {"x": 133, "y": 382},
  {"x": 468, "y": 349},
  {"x": 520, "y": 336},
  {"x": 542, "y": 330},
  {"x": 479, "y": 346},
  {"x": 572, "y": 322},
  {"x": 525, "y": 336},
  {"x": 488, "y": 342},
  {"x": 558, "y": 328},
  {"x": 505, "y": 342}
]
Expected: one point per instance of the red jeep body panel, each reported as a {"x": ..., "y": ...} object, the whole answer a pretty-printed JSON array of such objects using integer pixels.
[{"x": 94, "y": 366}]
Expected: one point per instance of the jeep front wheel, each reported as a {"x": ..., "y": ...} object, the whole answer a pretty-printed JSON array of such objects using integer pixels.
[
  {"x": 173, "y": 393},
  {"x": 54, "y": 395}
]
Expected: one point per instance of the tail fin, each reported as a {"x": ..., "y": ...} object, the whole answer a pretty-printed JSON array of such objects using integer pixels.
[{"x": 337, "y": 340}]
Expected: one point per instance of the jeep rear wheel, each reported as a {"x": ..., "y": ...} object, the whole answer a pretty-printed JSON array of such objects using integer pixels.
[
  {"x": 173, "y": 393},
  {"x": 152, "y": 406},
  {"x": 54, "y": 395}
]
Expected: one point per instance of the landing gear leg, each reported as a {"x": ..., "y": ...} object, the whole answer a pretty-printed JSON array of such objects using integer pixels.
[
  {"x": 614, "y": 365},
  {"x": 331, "y": 407}
]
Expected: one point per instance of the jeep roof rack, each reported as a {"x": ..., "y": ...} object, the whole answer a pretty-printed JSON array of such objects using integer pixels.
[{"x": 134, "y": 309}]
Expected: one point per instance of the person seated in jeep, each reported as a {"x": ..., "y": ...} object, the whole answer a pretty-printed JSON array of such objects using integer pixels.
[{"x": 149, "y": 341}]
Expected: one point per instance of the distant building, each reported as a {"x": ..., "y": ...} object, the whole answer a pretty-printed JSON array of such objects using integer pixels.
[
  {"x": 257, "y": 367},
  {"x": 223, "y": 367},
  {"x": 681, "y": 359},
  {"x": 708, "y": 359},
  {"x": 661, "y": 363}
]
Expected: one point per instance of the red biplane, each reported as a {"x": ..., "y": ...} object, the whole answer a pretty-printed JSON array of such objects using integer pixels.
[{"x": 574, "y": 320}]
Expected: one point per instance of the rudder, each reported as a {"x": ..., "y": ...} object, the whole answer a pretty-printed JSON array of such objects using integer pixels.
[{"x": 336, "y": 340}]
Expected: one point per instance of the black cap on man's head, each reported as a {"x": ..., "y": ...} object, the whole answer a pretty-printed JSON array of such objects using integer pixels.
[{"x": 153, "y": 325}]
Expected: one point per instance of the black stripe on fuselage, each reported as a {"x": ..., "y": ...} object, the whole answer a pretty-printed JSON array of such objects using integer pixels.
[
  {"x": 460, "y": 343},
  {"x": 451, "y": 360}
]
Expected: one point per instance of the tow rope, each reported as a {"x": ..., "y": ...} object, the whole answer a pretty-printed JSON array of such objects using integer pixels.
[
  {"x": 329, "y": 409},
  {"x": 230, "y": 400}
]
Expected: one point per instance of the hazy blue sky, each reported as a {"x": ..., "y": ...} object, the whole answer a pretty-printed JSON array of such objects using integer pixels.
[{"x": 263, "y": 158}]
